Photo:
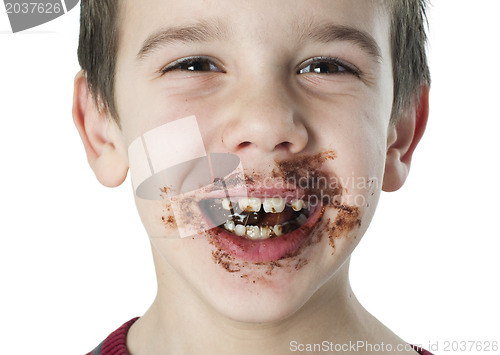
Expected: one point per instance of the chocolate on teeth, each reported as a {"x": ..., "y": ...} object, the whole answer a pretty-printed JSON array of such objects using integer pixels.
[
  {"x": 253, "y": 232},
  {"x": 249, "y": 204},
  {"x": 297, "y": 205},
  {"x": 265, "y": 232},
  {"x": 253, "y": 218},
  {"x": 274, "y": 205},
  {"x": 226, "y": 204},
  {"x": 270, "y": 205}
]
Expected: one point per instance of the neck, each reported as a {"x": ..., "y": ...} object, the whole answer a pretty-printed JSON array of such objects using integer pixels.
[{"x": 180, "y": 322}]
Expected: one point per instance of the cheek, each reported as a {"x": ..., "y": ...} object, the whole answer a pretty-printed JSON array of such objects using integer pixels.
[
  {"x": 177, "y": 217},
  {"x": 158, "y": 218},
  {"x": 143, "y": 106},
  {"x": 359, "y": 138},
  {"x": 357, "y": 130},
  {"x": 360, "y": 166}
]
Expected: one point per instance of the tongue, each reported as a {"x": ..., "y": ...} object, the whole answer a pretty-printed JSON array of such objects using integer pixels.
[{"x": 271, "y": 219}]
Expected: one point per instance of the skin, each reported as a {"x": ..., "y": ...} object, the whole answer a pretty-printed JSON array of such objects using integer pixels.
[{"x": 263, "y": 111}]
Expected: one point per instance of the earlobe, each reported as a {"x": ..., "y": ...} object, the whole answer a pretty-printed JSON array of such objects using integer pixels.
[
  {"x": 403, "y": 138},
  {"x": 101, "y": 136}
]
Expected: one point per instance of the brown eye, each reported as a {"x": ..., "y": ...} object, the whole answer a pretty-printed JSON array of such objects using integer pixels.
[
  {"x": 323, "y": 68},
  {"x": 193, "y": 64},
  {"x": 327, "y": 66}
]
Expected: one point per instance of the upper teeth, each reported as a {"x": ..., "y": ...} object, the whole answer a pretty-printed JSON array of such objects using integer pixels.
[
  {"x": 226, "y": 204},
  {"x": 297, "y": 205},
  {"x": 250, "y": 204},
  {"x": 270, "y": 205},
  {"x": 274, "y": 205}
]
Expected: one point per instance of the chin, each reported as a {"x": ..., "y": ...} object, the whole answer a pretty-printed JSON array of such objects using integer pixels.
[
  {"x": 264, "y": 253},
  {"x": 262, "y": 304}
]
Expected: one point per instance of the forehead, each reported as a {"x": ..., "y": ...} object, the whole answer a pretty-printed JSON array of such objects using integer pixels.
[{"x": 260, "y": 21}]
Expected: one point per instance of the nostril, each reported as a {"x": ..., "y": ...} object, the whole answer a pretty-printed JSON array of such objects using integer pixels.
[
  {"x": 283, "y": 146},
  {"x": 244, "y": 144}
]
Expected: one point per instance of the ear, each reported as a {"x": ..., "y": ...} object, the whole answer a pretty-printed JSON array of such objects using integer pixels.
[
  {"x": 402, "y": 140},
  {"x": 100, "y": 134}
]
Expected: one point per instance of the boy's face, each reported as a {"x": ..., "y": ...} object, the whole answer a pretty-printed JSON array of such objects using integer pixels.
[{"x": 288, "y": 88}]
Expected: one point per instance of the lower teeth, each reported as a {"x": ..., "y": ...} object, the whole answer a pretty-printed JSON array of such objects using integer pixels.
[
  {"x": 256, "y": 224},
  {"x": 264, "y": 232}
]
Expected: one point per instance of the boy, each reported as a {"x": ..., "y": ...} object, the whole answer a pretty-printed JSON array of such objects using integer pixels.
[{"x": 259, "y": 135}]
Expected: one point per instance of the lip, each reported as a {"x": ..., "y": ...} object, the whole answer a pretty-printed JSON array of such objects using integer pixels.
[
  {"x": 249, "y": 191},
  {"x": 267, "y": 250}
]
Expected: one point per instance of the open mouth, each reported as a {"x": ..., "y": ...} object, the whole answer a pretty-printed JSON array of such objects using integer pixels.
[
  {"x": 254, "y": 218},
  {"x": 260, "y": 229}
]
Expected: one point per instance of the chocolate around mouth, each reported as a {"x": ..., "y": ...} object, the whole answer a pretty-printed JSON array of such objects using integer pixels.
[{"x": 254, "y": 224}]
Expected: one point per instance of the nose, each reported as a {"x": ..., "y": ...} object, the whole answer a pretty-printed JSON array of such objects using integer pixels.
[{"x": 264, "y": 118}]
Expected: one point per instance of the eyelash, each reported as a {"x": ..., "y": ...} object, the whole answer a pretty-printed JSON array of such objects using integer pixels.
[
  {"x": 342, "y": 67},
  {"x": 184, "y": 63}
]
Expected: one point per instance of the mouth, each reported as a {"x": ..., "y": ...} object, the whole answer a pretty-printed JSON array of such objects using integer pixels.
[{"x": 259, "y": 229}]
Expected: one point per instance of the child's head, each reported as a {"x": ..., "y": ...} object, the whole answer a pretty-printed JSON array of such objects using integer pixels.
[
  {"x": 100, "y": 36},
  {"x": 303, "y": 91}
]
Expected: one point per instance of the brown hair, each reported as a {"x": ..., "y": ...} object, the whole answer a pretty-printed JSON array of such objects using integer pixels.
[
  {"x": 409, "y": 60},
  {"x": 99, "y": 37},
  {"x": 97, "y": 49}
]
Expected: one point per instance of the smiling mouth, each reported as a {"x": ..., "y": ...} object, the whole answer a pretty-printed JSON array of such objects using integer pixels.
[
  {"x": 255, "y": 218},
  {"x": 258, "y": 229}
]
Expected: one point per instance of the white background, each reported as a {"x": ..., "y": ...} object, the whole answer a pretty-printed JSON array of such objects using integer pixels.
[{"x": 75, "y": 261}]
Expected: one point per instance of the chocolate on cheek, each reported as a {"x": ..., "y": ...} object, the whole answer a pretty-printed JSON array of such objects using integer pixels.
[
  {"x": 347, "y": 220},
  {"x": 315, "y": 184},
  {"x": 167, "y": 217},
  {"x": 187, "y": 212},
  {"x": 348, "y": 217}
]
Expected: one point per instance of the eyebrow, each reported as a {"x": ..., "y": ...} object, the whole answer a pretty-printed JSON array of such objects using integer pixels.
[
  {"x": 204, "y": 31},
  {"x": 333, "y": 33},
  {"x": 213, "y": 30}
]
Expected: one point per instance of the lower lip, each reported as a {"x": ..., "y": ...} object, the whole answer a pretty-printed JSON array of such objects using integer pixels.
[{"x": 267, "y": 250}]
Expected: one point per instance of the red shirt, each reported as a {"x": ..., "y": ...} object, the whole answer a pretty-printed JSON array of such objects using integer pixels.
[{"x": 115, "y": 343}]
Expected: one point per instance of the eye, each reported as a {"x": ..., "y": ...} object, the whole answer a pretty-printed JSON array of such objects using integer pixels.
[
  {"x": 326, "y": 65},
  {"x": 193, "y": 64}
]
